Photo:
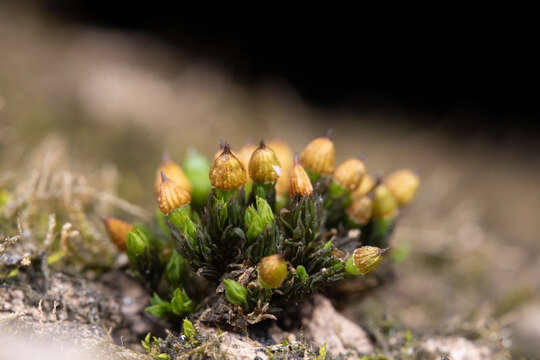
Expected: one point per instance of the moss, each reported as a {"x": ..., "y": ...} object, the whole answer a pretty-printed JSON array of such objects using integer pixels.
[{"x": 238, "y": 229}]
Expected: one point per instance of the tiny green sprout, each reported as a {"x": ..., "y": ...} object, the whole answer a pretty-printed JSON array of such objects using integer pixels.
[
  {"x": 13, "y": 273},
  {"x": 181, "y": 304},
  {"x": 269, "y": 353},
  {"x": 328, "y": 246},
  {"x": 159, "y": 307},
  {"x": 146, "y": 342},
  {"x": 55, "y": 257},
  {"x": 176, "y": 269},
  {"x": 189, "y": 330},
  {"x": 322, "y": 353},
  {"x": 181, "y": 219},
  {"x": 257, "y": 219},
  {"x": 163, "y": 356},
  {"x": 137, "y": 241},
  {"x": 235, "y": 293},
  {"x": 408, "y": 338},
  {"x": 302, "y": 273}
]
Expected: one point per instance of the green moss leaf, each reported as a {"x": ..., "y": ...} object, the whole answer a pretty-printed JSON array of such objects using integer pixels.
[{"x": 176, "y": 269}]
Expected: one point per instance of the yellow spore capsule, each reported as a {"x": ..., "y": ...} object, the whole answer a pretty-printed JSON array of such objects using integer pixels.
[
  {"x": 384, "y": 203},
  {"x": 264, "y": 165},
  {"x": 286, "y": 159},
  {"x": 227, "y": 172},
  {"x": 403, "y": 185},
  {"x": 299, "y": 182},
  {"x": 350, "y": 173},
  {"x": 171, "y": 195},
  {"x": 117, "y": 230},
  {"x": 319, "y": 156},
  {"x": 361, "y": 210},
  {"x": 174, "y": 172},
  {"x": 272, "y": 271},
  {"x": 366, "y": 185},
  {"x": 367, "y": 258}
]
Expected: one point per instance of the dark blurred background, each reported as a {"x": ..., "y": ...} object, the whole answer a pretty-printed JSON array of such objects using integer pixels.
[{"x": 442, "y": 65}]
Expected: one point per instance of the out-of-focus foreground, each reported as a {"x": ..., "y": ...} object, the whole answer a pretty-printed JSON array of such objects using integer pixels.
[{"x": 106, "y": 105}]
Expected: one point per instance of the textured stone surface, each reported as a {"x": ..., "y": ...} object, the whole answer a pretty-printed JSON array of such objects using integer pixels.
[
  {"x": 525, "y": 327},
  {"x": 455, "y": 348},
  {"x": 237, "y": 346},
  {"x": 78, "y": 318},
  {"x": 73, "y": 316},
  {"x": 341, "y": 336},
  {"x": 25, "y": 338}
]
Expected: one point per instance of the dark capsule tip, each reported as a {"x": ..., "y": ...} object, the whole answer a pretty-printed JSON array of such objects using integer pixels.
[
  {"x": 226, "y": 148},
  {"x": 384, "y": 251},
  {"x": 378, "y": 180},
  {"x": 163, "y": 176},
  {"x": 296, "y": 159},
  {"x": 262, "y": 145},
  {"x": 329, "y": 133}
]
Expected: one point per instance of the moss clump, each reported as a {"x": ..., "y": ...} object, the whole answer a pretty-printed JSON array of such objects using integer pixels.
[{"x": 248, "y": 251}]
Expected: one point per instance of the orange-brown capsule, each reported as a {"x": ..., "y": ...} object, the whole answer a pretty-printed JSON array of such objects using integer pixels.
[
  {"x": 384, "y": 203},
  {"x": 403, "y": 185},
  {"x": 319, "y": 156},
  {"x": 227, "y": 172},
  {"x": 361, "y": 210},
  {"x": 299, "y": 182},
  {"x": 366, "y": 185},
  {"x": 350, "y": 173},
  {"x": 174, "y": 172},
  {"x": 286, "y": 159},
  {"x": 264, "y": 165},
  {"x": 367, "y": 258},
  {"x": 272, "y": 271},
  {"x": 117, "y": 230},
  {"x": 244, "y": 155},
  {"x": 171, "y": 195}
]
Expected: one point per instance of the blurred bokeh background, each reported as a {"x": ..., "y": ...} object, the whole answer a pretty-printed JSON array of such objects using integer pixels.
[{"x": 111, "y": 89}]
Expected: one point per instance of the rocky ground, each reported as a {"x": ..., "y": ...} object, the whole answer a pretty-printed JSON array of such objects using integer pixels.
[{"x": 99, "y": 319}]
